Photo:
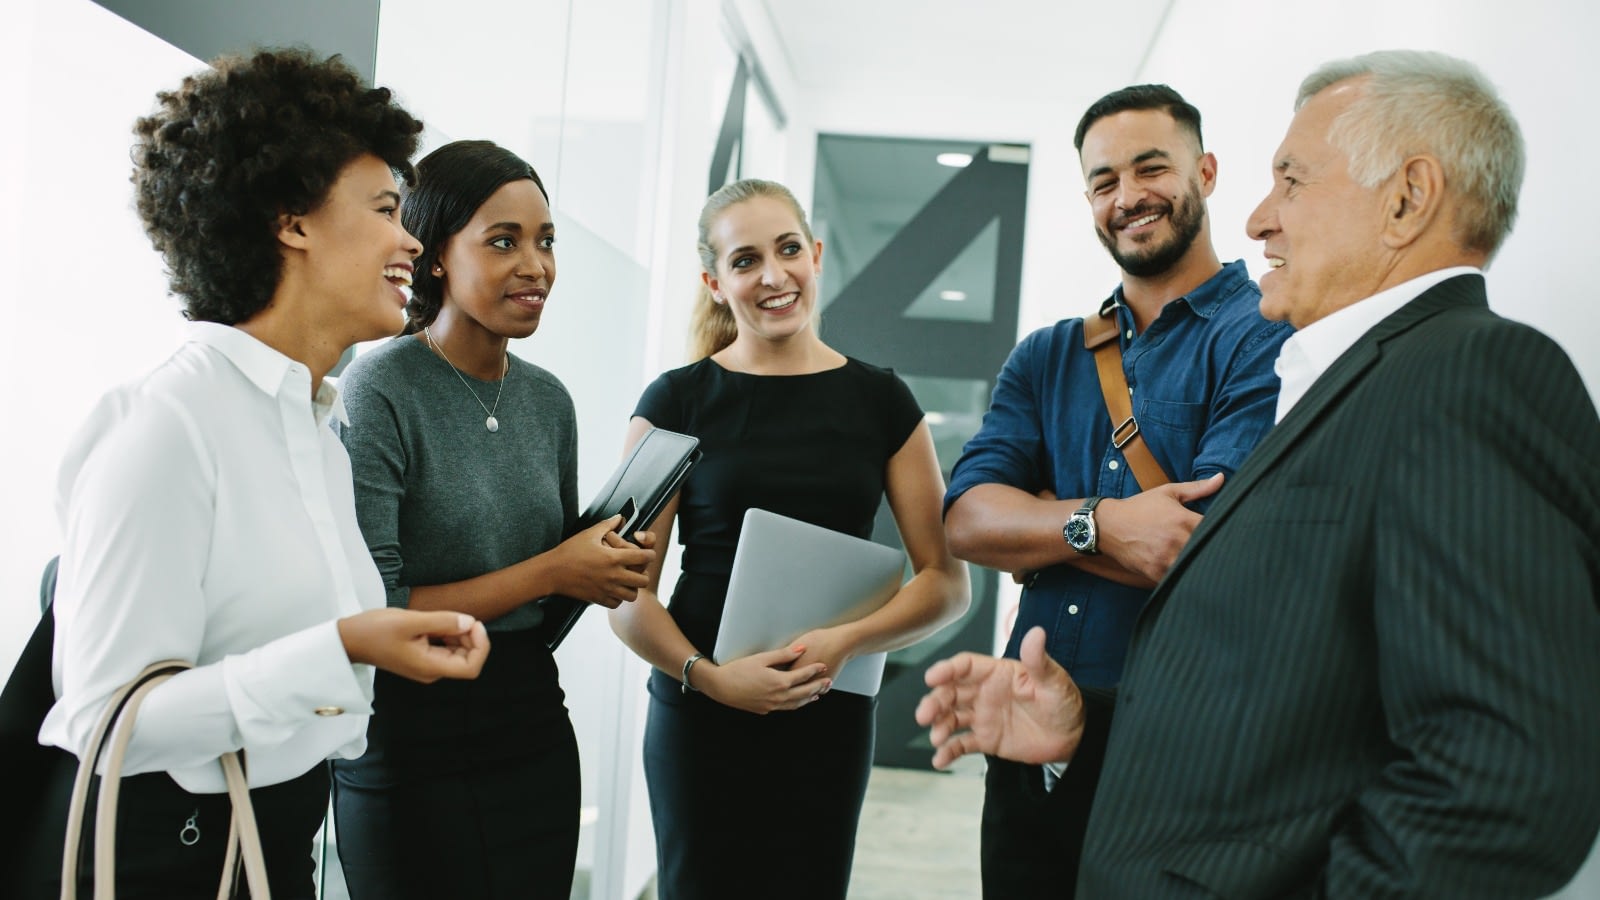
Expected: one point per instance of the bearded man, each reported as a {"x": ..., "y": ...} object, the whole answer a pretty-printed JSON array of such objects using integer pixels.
[{"x": 1050, "y": 487}]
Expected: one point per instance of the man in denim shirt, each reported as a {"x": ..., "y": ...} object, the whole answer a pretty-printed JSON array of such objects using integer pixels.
[{"x": 1198, "y": 358}]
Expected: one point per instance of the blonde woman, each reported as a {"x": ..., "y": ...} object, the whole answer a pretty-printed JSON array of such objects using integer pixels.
[{"x": 756, "y": 771}]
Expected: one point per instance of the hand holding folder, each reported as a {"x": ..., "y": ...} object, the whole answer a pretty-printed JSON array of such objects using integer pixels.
[{"x": 645, "y": 481}]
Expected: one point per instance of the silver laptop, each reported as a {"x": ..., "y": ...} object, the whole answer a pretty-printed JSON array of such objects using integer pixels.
[{"x": 791, "y": 576}]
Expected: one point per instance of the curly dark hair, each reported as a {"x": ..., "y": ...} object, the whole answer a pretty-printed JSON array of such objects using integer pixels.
[
  {"x": 451, "y": 183},
  {"x": 239, "y": 145}
]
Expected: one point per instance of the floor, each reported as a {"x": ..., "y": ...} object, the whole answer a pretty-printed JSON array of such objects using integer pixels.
[
  {"x": 918, "y": 838},
  {"x": 919, "y": 835}
]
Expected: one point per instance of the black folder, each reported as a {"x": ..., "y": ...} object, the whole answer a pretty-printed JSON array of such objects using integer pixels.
[{"x": 650, "y": 476}]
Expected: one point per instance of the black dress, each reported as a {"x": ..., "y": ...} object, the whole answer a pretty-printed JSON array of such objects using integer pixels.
[{"x": 746, "y": 804}]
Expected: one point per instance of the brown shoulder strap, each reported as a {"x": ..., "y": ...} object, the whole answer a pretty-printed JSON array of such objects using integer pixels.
[{"x": 1100, "y": 338}]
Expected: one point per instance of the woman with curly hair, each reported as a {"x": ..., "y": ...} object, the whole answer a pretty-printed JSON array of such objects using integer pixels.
[
  {"x": 207, "y": 507},
  {"x": 465, "y": 460}
]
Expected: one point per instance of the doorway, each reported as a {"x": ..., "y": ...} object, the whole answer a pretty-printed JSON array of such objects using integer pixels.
[{"x": 923, "y": 251}]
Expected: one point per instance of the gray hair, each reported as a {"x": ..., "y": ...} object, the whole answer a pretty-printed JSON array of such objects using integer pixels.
[{"x": 1423, "y": 102}]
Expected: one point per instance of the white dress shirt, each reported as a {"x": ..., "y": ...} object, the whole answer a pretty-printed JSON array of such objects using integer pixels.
[
  {"x": 1310, "y": 351},
  {"x": 209, "y": 517}
]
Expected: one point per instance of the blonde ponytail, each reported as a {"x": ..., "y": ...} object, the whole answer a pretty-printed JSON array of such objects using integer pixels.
[{"x": 711, "y": 326}]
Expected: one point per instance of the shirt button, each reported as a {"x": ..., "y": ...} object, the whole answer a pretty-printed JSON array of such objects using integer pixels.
[
  {"x": 1130, "y": 334},
  {"x": 329, "y": 711},
  {"x": 1072, "y": 610},
  {"x": 1112, "y": 465}
]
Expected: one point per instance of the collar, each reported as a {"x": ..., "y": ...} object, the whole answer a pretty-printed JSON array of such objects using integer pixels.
[
  {"x": 1204, "y": 300},
  {"x": 1311, "y": 350},
  {"x": 266, "y": 368}
]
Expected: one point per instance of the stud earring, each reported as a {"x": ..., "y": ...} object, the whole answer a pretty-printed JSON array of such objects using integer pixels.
[{"x": 438, "y": 270}]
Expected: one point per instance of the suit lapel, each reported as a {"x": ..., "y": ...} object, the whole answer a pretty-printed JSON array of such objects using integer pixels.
[{"x": 1324, "y": 394}]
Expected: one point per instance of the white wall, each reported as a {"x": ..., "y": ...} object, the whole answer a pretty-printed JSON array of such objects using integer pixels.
[{"x": 86, "y": 306}]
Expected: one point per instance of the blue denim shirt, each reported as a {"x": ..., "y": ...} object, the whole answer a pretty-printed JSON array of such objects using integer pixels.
[{"x": 1204, "y": 392}]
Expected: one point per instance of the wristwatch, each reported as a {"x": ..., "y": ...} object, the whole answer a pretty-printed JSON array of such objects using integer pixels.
[{"x": 1080, "y": 530}]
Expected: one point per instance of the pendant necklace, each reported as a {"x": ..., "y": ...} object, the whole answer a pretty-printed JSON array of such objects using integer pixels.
[{"x": 491, "y": 422}]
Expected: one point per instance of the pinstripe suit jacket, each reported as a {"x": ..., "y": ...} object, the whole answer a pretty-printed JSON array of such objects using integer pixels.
[{"x": 1374, "y": 671}]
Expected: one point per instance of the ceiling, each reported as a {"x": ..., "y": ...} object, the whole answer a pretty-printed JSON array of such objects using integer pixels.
[{"x": 1027, "y": 50}]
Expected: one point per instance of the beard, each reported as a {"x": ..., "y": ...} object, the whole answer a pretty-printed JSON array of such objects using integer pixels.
[{"x": 1154, "y": 258}]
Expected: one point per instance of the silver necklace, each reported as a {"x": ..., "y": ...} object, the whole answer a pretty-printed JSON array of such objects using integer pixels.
[{"x": 491, "y": 422}]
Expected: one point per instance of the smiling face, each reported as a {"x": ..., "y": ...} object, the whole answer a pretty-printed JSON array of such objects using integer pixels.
[
  {"x": 359, "y": 255},
  {"x": 1323, "y": 231},
  {"x": 766, "y": 269},
  {"x": 499, "y": 268},
  {"x": 1146, "y": 181}
]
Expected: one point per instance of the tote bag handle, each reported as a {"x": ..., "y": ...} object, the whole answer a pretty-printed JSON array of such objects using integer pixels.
[{"x": 116, "y": 724}]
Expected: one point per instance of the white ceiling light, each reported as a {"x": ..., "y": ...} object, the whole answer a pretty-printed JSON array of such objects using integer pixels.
[
  {"x": 954, "y": 160},
  {"x": 952, "y": 295}
]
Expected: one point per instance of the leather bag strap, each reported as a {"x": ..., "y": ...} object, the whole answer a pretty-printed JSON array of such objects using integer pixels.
[
  {"x": 1100, "y": 338},
  {"x": 115, "y": 727}
]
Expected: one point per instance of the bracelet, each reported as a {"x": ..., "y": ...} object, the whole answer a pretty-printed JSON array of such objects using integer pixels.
[{"x": 687, "y": 665}]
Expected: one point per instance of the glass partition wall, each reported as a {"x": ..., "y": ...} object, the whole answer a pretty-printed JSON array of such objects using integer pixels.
[{"x": 924, "y": 252}]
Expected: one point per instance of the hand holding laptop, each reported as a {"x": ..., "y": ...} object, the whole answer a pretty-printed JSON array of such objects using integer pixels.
[
  {"x": 764, "y": 682},
  {"x": 797, "y": 583},
  {"x": 831, "y": 647}
]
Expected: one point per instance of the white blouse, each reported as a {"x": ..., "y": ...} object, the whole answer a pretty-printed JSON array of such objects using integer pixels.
[{"x": 209, "y": 516}]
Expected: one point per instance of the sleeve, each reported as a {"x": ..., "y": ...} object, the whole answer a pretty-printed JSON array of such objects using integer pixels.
[
  {"x": 378, "y": 462},
  {"x": 1009, "y": 446},
  {"x": 569, "y": 468},
  {"x": 138, "y": 522},
  {"x": 1488, "y": 638},
  {"x": 1243, "y": 406},
  {"x": 902, "y": 413},
  {"x": 659, "y": 406},
  {"x": 1081, "y": 776}
]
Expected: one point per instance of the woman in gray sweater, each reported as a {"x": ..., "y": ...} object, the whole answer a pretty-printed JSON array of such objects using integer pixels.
[{"x": 465, "y": 462}]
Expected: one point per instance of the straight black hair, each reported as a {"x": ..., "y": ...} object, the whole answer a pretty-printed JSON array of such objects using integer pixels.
[{"x": 452, "y": 182}]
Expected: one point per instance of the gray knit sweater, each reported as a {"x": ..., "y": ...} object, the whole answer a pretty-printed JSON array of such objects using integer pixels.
[{"x": 440, "y": 498}]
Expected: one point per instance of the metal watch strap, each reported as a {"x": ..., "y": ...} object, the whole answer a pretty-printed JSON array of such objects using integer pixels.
[{"x": 687, "y": 665}]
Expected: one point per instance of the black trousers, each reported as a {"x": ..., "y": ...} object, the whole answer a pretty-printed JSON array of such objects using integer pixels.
[
  {"x": 153, "y": 860},
  {"x": 467, "y": 789},
  {"x": 1032, "y": 840},
  {"x": 755, "y": 806}
]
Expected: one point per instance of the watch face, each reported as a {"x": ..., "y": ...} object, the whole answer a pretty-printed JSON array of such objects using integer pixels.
[{"x": 1078, "y": 532}]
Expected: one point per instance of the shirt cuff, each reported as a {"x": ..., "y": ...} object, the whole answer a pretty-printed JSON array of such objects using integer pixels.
[
  {"x": 1053, "y": 772},
  {"x": 276, "y": 688}
]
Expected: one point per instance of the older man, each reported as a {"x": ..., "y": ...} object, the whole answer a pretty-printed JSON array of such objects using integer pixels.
[{"x": 1375, "y": 668}]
